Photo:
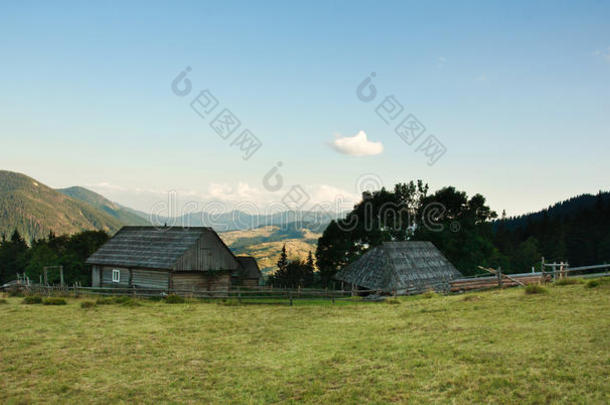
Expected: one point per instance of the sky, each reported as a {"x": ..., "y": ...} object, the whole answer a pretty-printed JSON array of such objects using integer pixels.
[{"x": 507, "y": 99}]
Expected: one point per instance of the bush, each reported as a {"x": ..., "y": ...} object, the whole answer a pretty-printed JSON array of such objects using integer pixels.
[
  {"x": 535, "y": 289},
  {"x": 393, "y": 301},
  {"x": 32, "y": 299},
  {"x": 429, "y": 294},
  {"x": 54, "y": 301},
  {"x": 568, "y": 281},
  {"x": 174, "y": 299},
  {"x": 113, "y": 300},
  {"x": 104, "y": 301},
  {"x": 592, "y": 284},
  {"x": 15, "y": 292},
  {"x": 230, "y": 303},
  {"x": 88, "y": 304},
  {"x": 122, "y": 299},
  {"x": 131, "y": 302}
]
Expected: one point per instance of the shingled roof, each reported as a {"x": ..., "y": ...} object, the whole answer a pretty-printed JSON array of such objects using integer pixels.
[
  {"x": 405, "y": 267},
  {"x": 249, "y": 266},
  {"x": 147, "y": 247}
]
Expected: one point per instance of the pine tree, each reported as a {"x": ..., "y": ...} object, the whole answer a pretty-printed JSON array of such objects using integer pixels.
[
  {"x": 310, "y": 263},
  {"x": 282, "y": 263},
  {"x": 308, "y": 271}
]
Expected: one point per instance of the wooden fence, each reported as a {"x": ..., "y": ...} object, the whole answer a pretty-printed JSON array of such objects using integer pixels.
[
  {"x": 260, "y": 294},
  {"x": 558, "y": 271}
]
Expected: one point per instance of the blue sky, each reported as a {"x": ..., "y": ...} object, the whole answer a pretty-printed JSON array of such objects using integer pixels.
[{"x": 517, "y": 92}]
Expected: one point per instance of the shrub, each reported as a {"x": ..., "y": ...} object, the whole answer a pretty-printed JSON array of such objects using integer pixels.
[
  {"x": 568, "y": 281},
  {"x": 392, "y": 301},
  {"x": 174, "y": 299},
  {"x": 104, "y": 301},
  {"x": 123, "y": 299},
  {"x": 535, "y": 289},
  {"x": 592, "y": 284},
  {"x": 87, "y": 304},
  {"x": 54, "y": 301},
  {"x": 429, "y": 294},
  {"x": 131, "y": 302},
  {"x": 32, "y": 299},
  {"x": 229, "y": 303},
  {"x": 15, "y": 292}
]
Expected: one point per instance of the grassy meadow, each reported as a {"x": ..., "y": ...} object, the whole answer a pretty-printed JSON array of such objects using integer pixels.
[{"x": 495, "y": 347}]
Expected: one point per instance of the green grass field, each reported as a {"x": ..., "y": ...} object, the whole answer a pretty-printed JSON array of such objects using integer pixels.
[{"x": 492, "y": 347}]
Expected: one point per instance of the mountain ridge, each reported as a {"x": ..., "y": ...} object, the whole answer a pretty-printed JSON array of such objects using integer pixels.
[{"x": 35, "y": 209}]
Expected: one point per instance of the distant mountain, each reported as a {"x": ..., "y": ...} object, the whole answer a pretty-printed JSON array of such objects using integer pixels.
[
  {"x": 36, "y": 209},
  {"x": 265, "y": 243},
  {"x": 125, "y": 215},
  {"x": 315, "y": 221}
]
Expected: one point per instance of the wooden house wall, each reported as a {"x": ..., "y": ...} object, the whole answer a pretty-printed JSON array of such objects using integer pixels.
[
  {"x": 249, "y": 282},
  {"x": 96, "y": 276},
  {"x": 208, "y": 253},
  {"x": 107, "y": 277},
  {"x": 215, "y": 281},
  {"x": 144, "y": 278}
]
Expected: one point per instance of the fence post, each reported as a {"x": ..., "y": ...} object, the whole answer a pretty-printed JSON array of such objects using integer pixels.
[
  {"x": 499, "y": 273},
  {"x": 61, "y": 276},
  {"x": 290, "y": 296}
]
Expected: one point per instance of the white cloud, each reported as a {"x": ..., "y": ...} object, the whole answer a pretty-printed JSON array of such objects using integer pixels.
[
  {"x": 224, "y": 197},
  {"x": 357, "y": 145}
]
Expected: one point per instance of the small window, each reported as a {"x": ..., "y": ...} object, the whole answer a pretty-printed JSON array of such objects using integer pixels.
[{"x": 116, "y": 276}]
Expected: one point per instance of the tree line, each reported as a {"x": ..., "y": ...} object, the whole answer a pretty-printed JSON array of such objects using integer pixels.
[
  {"x": 294, "y": 273},
  {"x": 69, "y": 251},
  {"x": 467, "y": 231}
]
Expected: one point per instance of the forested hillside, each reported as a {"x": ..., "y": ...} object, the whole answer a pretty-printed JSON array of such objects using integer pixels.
[
  {"x": 576, "y": 230},
  {"x": 35, "y": 209},
  {"x": 125, "y": 215}
]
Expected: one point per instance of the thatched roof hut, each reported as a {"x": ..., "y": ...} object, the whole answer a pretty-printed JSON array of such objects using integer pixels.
[{"x": 408, "y": 267}]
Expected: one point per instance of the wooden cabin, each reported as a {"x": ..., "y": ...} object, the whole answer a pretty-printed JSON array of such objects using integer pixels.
[
  {"x": 402, "y": 267},
  {"x": 168, "y": 258},
  {"x": 250, "y": 275}
]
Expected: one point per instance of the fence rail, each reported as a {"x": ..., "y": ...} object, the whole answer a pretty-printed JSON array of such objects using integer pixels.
[
  {"x": 242, "y": 293},
  {"x": 559, "y": 271},
  {"x": 470, "y": 283}
]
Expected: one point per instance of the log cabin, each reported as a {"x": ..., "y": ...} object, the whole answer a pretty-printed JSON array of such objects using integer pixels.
[
  {"x": 193, "y": 258},
  {"x": 250, "y": 275},
  {"x": 401, "y": 268}
]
